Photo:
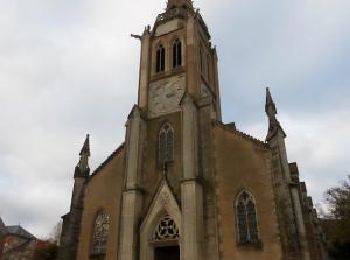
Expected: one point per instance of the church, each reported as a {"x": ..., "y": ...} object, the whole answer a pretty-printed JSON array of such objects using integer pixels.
[{"x": 184, "y": 185}]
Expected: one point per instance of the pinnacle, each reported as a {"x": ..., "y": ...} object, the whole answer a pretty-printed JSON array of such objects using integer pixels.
[
  {"x": 82, "y": 169},
  {"x": 177, "y": 3},
  {"x": 270, "y": 107},
  {"x": 86, "y": 147}
]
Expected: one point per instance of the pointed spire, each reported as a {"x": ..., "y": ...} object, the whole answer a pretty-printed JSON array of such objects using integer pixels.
[
  {"x": 86, "y": 146},
  {"x": 270, "y": 107},
  {"x": 82, "y": 169},
  {"x": 271, "y": 111}
]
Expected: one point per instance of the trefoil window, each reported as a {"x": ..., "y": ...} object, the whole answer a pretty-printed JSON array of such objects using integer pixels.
[{"x": 247, "y": 223}]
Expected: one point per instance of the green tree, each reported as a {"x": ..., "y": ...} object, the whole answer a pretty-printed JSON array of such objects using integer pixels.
[{"x": 338, "y": 199}]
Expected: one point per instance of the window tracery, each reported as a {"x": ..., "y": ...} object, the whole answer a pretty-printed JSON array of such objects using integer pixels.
[
  {"x": 177, "y": 53},
  {"x": 166, "y": 145},
  {"x": 160, "y": 58},
  {"x": 247, "y": 223},
  {"x": 100, "y": 235},
  {"x": 166, "y": 229}
]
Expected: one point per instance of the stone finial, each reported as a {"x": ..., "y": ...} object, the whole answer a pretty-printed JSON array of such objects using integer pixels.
[
  {"x": 179, "y": 3},
  {"x": 86, "y": 147},
  {"x": 270, "y": 107},
  {"x": 82, "y": 169},
  {"x": 271, "y": 111}
]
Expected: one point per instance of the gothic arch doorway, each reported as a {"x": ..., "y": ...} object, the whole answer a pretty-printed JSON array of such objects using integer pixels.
[
  {"x": 160, "y": 230},
  {"x": 166, "y": 240}
]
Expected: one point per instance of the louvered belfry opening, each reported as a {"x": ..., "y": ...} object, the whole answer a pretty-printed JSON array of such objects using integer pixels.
[
  {"x": 177, "y": 53},
  {"x": 160, "y": 59}
]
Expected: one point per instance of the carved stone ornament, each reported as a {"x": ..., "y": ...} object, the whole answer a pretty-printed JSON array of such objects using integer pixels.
[{"x": 166, "y": 229}]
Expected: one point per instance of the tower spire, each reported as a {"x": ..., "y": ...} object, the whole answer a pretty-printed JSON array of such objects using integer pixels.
[
  {"x": 271, "y": 112},
  {"x": 82, "y": 169}
]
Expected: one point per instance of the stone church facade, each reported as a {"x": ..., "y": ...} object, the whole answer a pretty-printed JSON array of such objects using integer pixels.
[{"x": 184, "y": 185}]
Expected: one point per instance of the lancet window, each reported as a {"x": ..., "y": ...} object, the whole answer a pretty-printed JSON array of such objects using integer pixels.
[
  {"x": 160, "y": 58},
  {"x": 166, "y": 145},
  {"x": 166, "y": 230},
  {"x": 100, "y": 235},
  {"x": 247, "y": 223},
  {"x": 177, "y": 53}
]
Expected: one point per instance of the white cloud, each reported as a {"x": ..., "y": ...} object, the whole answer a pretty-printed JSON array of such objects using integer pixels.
[
  {"x": 319, "y": 143},
  {"x": 71, "y": 67}
]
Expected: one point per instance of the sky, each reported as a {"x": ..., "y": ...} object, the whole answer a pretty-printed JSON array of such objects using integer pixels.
[{"x": 68, "y": 68}]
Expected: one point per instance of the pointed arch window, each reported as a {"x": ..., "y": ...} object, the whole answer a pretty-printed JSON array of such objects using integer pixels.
[
  {"x": 177, "y": 53},
  {"x": 166, "y": 145},
  {"x": 100, "y": 235},
  {"x": 160, "y": 58},
  {"x": 247, "y": 223}
]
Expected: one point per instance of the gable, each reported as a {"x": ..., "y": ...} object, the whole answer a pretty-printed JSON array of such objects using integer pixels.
[{"x": 164, "y": 202}]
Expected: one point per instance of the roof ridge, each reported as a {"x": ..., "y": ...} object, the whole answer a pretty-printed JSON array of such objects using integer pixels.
[
  {"x": 242, "y": 134},
  {"x": 108, "y": 159},
  {"x": 19, "y": 231}
]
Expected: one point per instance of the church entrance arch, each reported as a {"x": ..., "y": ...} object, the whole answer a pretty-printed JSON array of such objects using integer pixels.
[
  {"x": 160, "y": 231},
  {"x": 166, "y": 240}
]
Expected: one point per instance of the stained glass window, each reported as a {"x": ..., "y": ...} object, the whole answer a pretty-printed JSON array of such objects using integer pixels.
[
  {"x": 247, "y": 223},
  {"x": 166, "y": 229},
  {"x": 100, "y": 235},
  {"x": 166, "y": 145}
]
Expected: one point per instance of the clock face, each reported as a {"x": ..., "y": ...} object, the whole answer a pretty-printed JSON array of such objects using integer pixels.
[{"x": 164, "y": 96}]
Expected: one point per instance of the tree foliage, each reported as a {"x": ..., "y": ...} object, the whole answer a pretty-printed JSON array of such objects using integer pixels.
[
  {"x": 45, "y": 251},
  {"x": 338, "y": 199}
]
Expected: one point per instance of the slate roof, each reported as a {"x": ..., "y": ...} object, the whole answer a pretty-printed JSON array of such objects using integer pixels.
[{"x": 18, "y": 231}]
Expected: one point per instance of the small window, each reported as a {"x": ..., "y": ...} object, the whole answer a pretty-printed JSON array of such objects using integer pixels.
[
  {"x": 166, "y": 145},
  {"x": 177, "y": 53},
  {"x": 247, "y": 223},
  {"x": 160, "y": 59},
  {"x": 100, "y": 235}
]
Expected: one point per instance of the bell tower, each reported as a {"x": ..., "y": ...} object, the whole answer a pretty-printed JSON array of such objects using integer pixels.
[
  {"x": 168, "y": 137},
  {"x": 177, "y": 57}
]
